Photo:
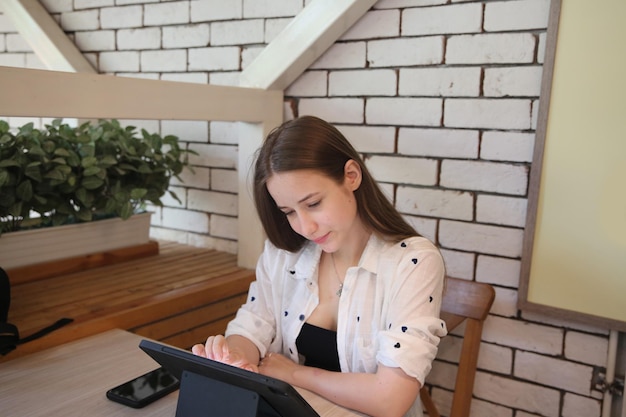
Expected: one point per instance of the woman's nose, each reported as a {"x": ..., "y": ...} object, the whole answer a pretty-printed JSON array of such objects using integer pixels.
[{"x": 307, "y": 225}]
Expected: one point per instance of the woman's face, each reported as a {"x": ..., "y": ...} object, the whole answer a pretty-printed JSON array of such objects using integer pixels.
[{"x": 316, "y": 206}]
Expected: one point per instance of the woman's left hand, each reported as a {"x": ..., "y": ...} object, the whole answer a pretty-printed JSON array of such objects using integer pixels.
[{"x": 278, "y": 366}]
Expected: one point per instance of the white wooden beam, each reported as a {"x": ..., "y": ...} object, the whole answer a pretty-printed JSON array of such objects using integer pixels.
[
  {"x": 305, "y": 39},
  {"x": 44, "y": 36},
  {"x": 42, "y": 93}
]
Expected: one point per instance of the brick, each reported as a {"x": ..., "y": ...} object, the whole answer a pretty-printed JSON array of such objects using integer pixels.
[
  {"x": 224, "y": 180},
  {"x": 119, "y": 61},
  {"x": 121, "y": 17},
  {"x": 507, "y": 146},
  {"x": 188, "y": 36},
  {"x": 484, "y": 176},
  {"x": 212, "y": 202},
  {"x": 405, "y": 52},
  {"x": 559, "y": 322},
  {"x": 512, "y": 81},
  {"x": 57, "y": 6},
  {"x": 215, "y": 156},
  {"x": 375, "y": 24},
  {"x": 370, "y": 139},
  {"x": 446, "y": 143},
  {"x": 402, "y": 170},
  {"x": 83, "y": 20},
  {"x": 164, "y": 60},
  {"x": 506, "y": 48},
  {"x": 333, "y": 110},
  {"x": 33, "y": 62},
  {"x": 6, "y": 24},
  {"x": 586, "y": 348},
  {"x": 459, "y": 264},
  {"x": 499, "y": 271},
  {"x": 445, "y": 204},
  {"x": 222, "y": 58},
  {"x": 271, "y": 8},
  {"x": 174, "y": 218},
  {"x": 425, "y": 227},
  {"x": 342, "y": 55},
  {"x": 553, "y": 372},
  {"x": 517, "y": 394},
  {"x": 203, "y": 241},
  {"x": 213, "y": 10},
  {"x": 222, "y": 226},
  {"x": 492, "y": 240},
  {"x": 362, "y": 83},
  {"x": 446, "y": 82},
  {"x": 516, "y": 15},
  {"x": 90, "y": 4},
  {"x": 239, "y": 32},
  {"x": 495, "y": 358},
  {"x": 484, "y": 408},
  {"x": 169, "y": 200},
  {"x": 249, "y": 54},
  {"x": 505, "y": 303},
  {"x": 169, "y": 13},
  {"x": 394, "y": 4},
  {"x": 187, "y": 77},
  {"x": 139, "y": 39},
  {"x": 449, "y": 19},
  {"x": 187, "y": 130},
  {"x": 127, "y": 2},
  {"x": 579, "y": 406},
  {"x": 404, "y": 111},
  {"x": 506, "y": 211},
  {"x": 200, "y": 178},
  {"x": 523, "y": 335},
  {"x": 487, "y": 113},
  {"x": 16, "y": 43},
  {"x": 226, "y": 133},
  {"x": 309, "y": 84},
  {"x": 103, "y": 40},
  {"x": 224, "y": 78},
  {"x": 273, "y": 27}
]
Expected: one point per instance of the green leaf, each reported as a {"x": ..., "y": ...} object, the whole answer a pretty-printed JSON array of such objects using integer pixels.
[
  {"x": 91, "y": 183},
  {"x": 4, "y": 177},
  {"x": 92, "y": 171},
  {"x": 89, "y": 161},
  {"x": 138, "y": 193},
  {"x": 126, "y": 211},
  {"x": 24, "y": 191}
]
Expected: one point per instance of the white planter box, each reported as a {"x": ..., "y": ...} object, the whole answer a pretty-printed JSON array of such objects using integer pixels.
[{"x": 54, "y": 243}]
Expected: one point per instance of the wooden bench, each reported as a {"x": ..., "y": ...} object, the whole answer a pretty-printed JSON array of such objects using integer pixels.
[{"x": 178, "y": 294}]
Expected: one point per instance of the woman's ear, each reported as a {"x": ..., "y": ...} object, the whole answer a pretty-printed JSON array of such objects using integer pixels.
[{"x": 352, "y": 175}]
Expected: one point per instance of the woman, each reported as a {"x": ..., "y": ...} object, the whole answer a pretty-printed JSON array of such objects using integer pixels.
[{"x": 347, "y": 295}]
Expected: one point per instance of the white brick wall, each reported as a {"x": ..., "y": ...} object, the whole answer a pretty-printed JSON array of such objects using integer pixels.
[{"x": 439, "y": 96}]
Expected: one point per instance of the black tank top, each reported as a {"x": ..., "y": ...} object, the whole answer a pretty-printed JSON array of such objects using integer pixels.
[{"x": 319, "y": 347}]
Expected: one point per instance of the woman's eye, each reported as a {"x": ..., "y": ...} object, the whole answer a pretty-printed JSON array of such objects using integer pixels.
[
  {"x": 315, "y": 204},
  {"x": 288, "y": 213}
]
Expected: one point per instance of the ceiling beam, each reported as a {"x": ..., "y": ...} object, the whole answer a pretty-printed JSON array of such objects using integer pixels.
[
  {"x": 315, "y": 29},
  {"x": 44, "y": 36}
]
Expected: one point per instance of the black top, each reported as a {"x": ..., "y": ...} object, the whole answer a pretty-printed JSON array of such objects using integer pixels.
[{"x": 319, "y": 347}]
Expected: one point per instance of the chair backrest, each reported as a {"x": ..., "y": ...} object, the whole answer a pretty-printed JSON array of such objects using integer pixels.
[{"x": 469, "y": 301}]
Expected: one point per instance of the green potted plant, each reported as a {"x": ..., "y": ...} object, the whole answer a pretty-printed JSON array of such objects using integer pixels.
[{"x": 61, "y": 174}]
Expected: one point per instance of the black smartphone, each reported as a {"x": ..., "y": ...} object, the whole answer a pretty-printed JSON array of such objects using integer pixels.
[{"x": 144, "y": 389}]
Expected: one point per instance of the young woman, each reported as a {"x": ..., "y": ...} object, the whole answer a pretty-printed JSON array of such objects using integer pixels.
[{"x": 347, "y": 295}]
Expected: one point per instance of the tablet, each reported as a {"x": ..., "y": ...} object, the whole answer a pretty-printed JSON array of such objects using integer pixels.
[{"x": 210, "y": 388}]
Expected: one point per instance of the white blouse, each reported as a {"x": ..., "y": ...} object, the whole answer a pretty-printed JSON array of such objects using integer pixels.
[{"x": 388, "y": 310}]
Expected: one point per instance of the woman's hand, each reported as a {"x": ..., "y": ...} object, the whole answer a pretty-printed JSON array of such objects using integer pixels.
[
  {"x": 278, "y": 366},
  {"x": 218, "y": 349}
]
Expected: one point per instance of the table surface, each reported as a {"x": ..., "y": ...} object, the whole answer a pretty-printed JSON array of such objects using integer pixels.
[{"x": 71, "y": 380}]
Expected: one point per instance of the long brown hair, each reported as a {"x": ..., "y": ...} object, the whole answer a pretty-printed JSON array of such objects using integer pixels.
[{"x": 311, "y": 143}]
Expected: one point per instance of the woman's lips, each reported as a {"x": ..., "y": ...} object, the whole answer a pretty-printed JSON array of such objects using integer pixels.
[{"x": 321, "y": 240}]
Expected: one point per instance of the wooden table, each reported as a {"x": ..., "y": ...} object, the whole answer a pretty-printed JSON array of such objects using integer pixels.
[{"x": 71, "y": 380}]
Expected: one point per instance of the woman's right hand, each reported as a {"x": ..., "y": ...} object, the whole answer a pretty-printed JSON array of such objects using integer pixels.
[{"x": 218, "y": 349}]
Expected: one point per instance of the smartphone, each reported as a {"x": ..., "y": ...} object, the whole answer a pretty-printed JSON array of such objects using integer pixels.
[{"x": 143, "y": 390}]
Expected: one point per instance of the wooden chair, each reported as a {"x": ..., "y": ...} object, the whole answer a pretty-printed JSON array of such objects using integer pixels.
[{"x": 463, "y": 301}]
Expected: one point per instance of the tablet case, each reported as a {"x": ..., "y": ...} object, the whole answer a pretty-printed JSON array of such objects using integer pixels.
[{"x": 213, "y": 389}]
